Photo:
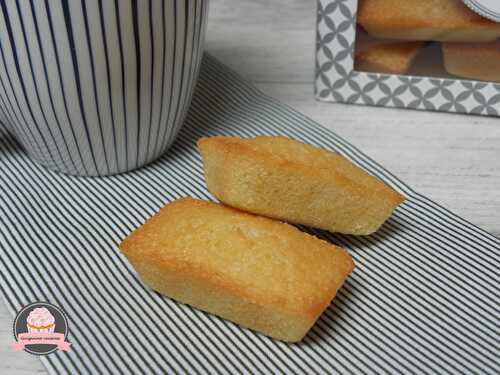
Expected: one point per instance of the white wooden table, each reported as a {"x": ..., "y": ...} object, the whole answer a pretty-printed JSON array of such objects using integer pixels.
[{"x": 453, "y": 159}]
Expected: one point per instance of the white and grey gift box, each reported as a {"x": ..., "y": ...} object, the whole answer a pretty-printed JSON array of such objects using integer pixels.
[{"x": 337, "y": 81}]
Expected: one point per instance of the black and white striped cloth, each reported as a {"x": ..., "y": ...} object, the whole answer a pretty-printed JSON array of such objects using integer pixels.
[{"x": 422, "y": 300}]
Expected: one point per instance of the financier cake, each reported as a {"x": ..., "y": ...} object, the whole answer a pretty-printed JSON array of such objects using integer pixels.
[
  {"x": 383, "y": 55},
  {"x": 262, "y": 274},
  {"x": 289, "y": 180},
  {"x": 473, "y": 60},
  {"x": 427, "y": 20}
]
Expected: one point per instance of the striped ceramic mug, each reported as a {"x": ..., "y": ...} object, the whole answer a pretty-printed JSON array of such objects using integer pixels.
[{"x": 97, "y": 87}]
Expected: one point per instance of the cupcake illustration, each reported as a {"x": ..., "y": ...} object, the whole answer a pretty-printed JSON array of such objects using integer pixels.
[{"x": 40, "y": 320}]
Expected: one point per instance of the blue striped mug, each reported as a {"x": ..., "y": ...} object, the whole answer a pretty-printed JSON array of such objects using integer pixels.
[{"x": 98, "y": 87}]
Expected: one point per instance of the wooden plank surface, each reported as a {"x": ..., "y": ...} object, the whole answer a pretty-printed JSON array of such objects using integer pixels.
[{"x": 453, "y": 159}]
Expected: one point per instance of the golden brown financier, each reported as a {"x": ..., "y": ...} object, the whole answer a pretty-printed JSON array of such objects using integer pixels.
[
  {"x": 257, "y": 272},
  {"x": 289, "y": 180},
  {"x": 384, "y": 55},
  {"x": 473, "y": 60},
  {"x": 426, "y": 20}
]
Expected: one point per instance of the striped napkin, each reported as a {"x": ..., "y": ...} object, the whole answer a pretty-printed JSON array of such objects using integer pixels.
[{"x": 423, "y": 298}]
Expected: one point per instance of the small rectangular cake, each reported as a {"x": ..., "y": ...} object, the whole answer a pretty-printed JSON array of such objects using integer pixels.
[
  {"x": 259, "y": 273},
  {"x": 473, "y": 60},
  {"x": 384, "y": 55},
  {"x": 292, "y": 181},
  {"x": 426, "y": 20}
]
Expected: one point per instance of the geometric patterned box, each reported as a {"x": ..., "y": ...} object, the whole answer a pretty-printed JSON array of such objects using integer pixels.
[{"x": 337, "y": 81}]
